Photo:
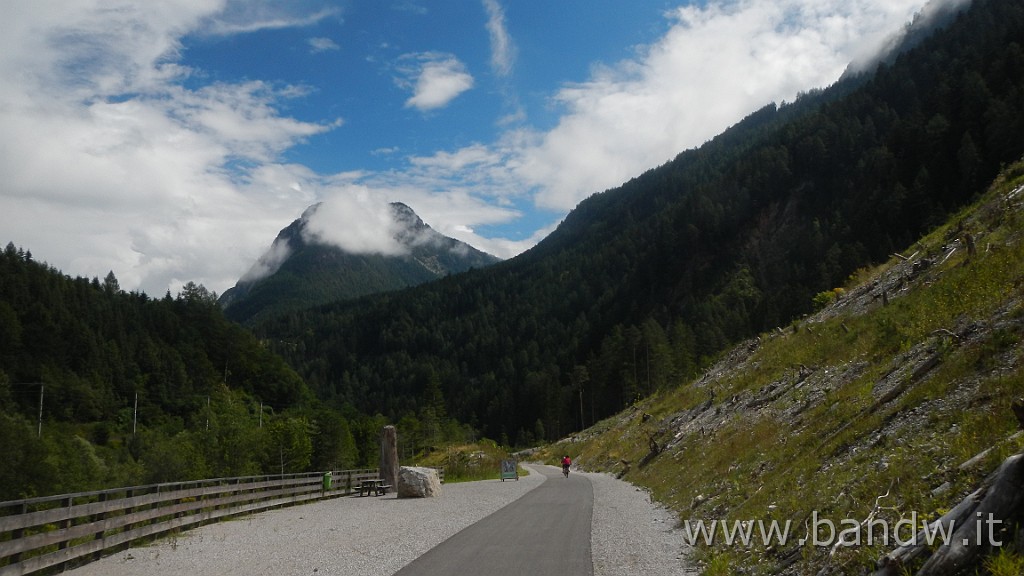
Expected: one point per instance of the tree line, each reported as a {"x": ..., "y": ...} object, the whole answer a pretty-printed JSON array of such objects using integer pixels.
[{"x": 100, "y": 387}]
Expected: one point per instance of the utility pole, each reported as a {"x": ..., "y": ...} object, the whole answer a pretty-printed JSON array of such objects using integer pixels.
[
  {"x": 648, "y": 350},
  {"x": 41, "y": 388},
  {"x": 583, "y": 423},
  {"x": 135, "y": 414}
]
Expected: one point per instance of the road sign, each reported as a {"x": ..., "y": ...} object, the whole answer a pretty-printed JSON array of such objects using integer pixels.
[{"x": 509, "y": 470}]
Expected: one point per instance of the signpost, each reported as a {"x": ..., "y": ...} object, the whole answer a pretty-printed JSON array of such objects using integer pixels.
[{"x": 509, "y": 470}]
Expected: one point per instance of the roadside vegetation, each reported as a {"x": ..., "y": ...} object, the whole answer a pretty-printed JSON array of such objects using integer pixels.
[{"x": 468, "y": 462}]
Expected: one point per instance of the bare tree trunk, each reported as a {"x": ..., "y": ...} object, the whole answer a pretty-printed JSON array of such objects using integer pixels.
[
  {"x": 977, "y": 524},
  {"x": 389, "y": 455},
  {"x": 1001, "y": 503}
]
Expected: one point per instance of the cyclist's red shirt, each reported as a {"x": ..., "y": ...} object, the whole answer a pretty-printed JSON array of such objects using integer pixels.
[{"x": 566, "y": 461}]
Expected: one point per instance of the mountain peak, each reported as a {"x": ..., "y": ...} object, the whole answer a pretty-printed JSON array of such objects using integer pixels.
[
  {"x": 403, "y": 213},
  {"x": 306, "y": 265}
]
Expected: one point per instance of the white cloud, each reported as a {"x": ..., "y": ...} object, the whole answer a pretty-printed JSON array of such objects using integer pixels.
[
  {"x": 503, "y": 58},
  {"x": 318, "y": 45},
  {"x": 85, "y": 50},
  {"x": 448, "y": 162},
  {"x": 113, "y": 159},
  {"x": 436, "y": 79},
  {"x": 717, "y": 63},
  {"x": 450, "y": 192},
  {"x": 241, "y": 117},
  {"x": 245, "y": 16},
  {"x": 503, "y": 247},
  {"x": 502, "y": 48},
  {"x": 111, "y": 163},
  {"x": 356, "y": 219},
  {"x": 269, "y": 262}
]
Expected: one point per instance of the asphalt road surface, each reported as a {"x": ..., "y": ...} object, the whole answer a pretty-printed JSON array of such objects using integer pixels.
[{"x": 544, "y": 533}]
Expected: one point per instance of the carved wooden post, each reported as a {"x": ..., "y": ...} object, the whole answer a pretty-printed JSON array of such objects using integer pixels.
[{"x": 389, "y": 456}]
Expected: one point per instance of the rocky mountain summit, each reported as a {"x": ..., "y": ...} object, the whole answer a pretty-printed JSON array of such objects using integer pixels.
[{"x": 305, "y": 268}]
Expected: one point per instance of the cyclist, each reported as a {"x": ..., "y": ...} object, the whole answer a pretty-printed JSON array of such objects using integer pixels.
[{"x": 566, "y": 462}]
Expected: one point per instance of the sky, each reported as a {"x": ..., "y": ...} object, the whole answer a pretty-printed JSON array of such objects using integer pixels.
[{"x": 169, "y": 141}]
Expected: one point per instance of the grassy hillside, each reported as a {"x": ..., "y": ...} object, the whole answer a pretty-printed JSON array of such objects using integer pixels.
[{"x": 892, "y": 388}]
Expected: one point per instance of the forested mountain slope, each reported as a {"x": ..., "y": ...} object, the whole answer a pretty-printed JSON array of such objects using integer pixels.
[
  {"x": 644, "y": 283},
  {"x": 100, "y": 388},
  {"x": 855, "y": 426}
]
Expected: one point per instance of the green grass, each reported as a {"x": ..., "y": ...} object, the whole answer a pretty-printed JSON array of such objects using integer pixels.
[
  {"x": 1005, "y": 564},
  {"x": 468, "y": 462}
]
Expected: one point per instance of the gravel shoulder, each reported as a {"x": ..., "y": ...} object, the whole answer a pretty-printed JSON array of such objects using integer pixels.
[
  {"x": 377, "y": 536},
  {"x": 633, "y": 535}
]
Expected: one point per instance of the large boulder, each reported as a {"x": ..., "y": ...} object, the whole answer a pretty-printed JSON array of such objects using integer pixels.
[{"x": 414, "y": 482}]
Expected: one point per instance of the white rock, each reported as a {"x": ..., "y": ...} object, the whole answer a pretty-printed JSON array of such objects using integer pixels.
[{"x": 414, "y": 482}]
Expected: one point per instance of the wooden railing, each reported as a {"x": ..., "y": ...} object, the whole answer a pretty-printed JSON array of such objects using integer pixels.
[{"x": 54, "y": 532}]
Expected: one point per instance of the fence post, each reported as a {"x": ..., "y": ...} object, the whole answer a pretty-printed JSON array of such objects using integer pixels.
[
  {"x": 99, "y": 533},
  {"x": 65, "y": 524}
]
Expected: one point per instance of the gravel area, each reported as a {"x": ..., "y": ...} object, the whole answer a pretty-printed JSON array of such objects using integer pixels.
[
  {"x": 377, "y": 536},
  {"x": 631, "y": 535}
]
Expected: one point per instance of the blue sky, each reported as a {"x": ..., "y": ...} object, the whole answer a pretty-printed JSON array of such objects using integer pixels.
[{"x": 170, "y": 140}]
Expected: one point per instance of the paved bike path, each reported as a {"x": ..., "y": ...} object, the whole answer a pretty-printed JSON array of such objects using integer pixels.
[{"x": 544, "y": 533}]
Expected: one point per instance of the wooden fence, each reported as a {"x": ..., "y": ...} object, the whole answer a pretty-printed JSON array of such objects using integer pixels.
[{"x": 55, "y": 532}]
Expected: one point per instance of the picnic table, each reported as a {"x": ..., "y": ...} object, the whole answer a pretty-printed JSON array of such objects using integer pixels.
[{"x": 375, "y": 486}]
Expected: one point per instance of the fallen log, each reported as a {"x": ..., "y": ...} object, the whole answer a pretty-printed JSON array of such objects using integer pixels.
[
  {"x": 893, "y": 564},
  {"x": 976, "y": 524},
  {"x": 1001, "y": 505}
]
